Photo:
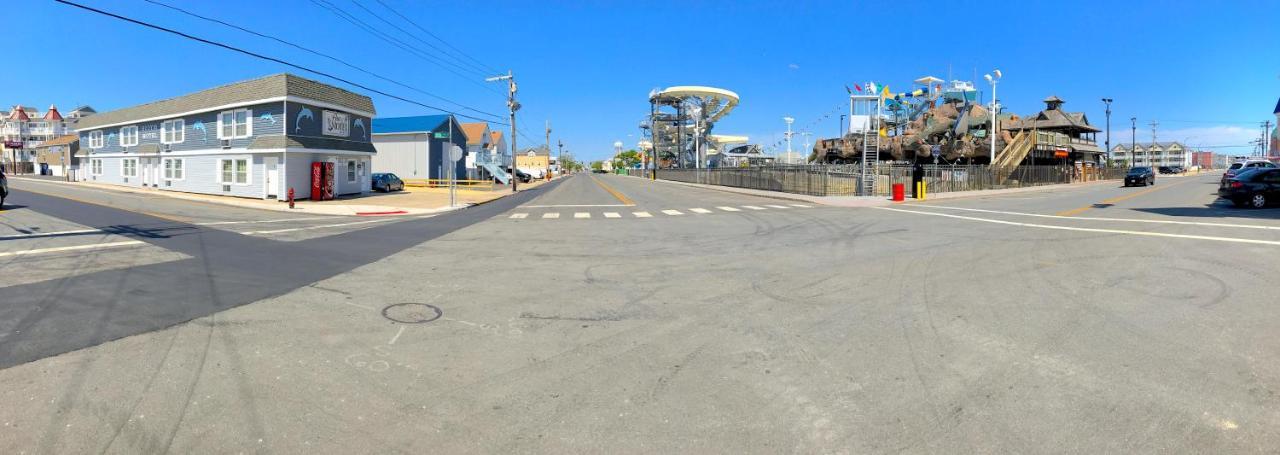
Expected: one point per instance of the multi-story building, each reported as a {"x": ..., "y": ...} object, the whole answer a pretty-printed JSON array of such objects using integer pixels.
[
  {"x": 1204, "y": 159},
  {"x": 23, "y": 128},
  {"x": 1157, "y": 154},
  {"x": 256, "y": 138},
  {"x": 1061, "y": 137}
]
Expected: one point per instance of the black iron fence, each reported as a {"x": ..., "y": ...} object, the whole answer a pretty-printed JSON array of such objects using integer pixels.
[{"x": 847, "y": 180}]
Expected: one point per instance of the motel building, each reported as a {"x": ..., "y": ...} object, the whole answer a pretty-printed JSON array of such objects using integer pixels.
[{"x": 253, "y": 139}]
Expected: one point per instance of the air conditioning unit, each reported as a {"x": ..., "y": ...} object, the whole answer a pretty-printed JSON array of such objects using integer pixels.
[
  {"x": 124, "y": 149},
  {"x": 166, "y": 147},
  {"x": 168, "y": 183},
  {"x": 226, "y": 143},
  {"x": 226, "y": 187}
]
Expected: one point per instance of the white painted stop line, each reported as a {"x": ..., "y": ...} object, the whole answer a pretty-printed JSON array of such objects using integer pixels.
[
  {"x": 752, "y": 207},
  {"x": 612, "y": 215},
  {"x": 801, "y": 206},
  {"x": 642, "y": 215},
  {"x": 582, "y": 215},
  {"x": 551, "y": 215},
  {"x": 699, "y": 210},
  {"x": 672, "y": 212},
  {"x": 71, "y": 248},
  {"x": 777, "y": 206},
  {"x": 729, "y": 209},
  {"x": 519, "y": 216}
]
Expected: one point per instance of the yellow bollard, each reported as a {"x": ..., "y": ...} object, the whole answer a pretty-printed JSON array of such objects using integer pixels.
[{"x": 924, "y": 190}]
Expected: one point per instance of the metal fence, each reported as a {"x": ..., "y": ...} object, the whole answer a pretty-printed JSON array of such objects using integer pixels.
[{"x": 846, "y": 180}]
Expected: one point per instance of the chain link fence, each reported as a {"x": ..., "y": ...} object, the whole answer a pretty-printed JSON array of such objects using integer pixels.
[{"x": 846, "y": 180}]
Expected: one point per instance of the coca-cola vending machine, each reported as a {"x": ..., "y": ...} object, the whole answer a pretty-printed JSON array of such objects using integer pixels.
[{"x": 321, "y": 181}]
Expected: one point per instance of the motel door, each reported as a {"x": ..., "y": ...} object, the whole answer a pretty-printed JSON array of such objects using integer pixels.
[{"x": 150, "y": 170}]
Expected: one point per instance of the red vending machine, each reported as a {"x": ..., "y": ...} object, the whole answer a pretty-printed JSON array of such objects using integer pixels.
[{"x": 321, "y": 181}]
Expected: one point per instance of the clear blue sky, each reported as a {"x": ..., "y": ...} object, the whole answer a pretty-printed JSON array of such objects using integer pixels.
[{"x": 1207, "y": 72}]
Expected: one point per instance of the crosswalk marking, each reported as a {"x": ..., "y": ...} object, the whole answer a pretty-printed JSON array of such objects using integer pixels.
[
  {"x": 642, "y": 215},
  {"x": 612, "y": 215},
  {"x": 551, "y": 215},
  {"x": 699, "y": 210},
  {"x": 672, "y": 212},
  {"x": 582, "y": 215},
  {"x": 668, "y": 212},
  {"x": 519, "y": 216},
  {"x": 752, "y": 207},
  {"x": 801, "y": 206},
  {"x": 777, "y": 206},
  {"x": 729, "y": 209}
]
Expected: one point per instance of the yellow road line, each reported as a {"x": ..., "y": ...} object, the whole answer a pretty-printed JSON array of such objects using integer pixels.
[
  {"x": 82, "y": 201},
  {"x": 621, "y": 198},
  {"x": 1079, "y": 210}
]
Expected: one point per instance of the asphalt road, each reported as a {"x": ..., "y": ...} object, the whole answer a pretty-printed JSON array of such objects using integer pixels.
[{"x": 1087, "y": 319}]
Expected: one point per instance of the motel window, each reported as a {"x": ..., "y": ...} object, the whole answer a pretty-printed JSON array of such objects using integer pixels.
[
  {"x": 129, "y": 136},
  {"x": 235, "y": 124},
  {"x": 351, "y": 171},
  {"x": 173, "y": 169},
  {"x": 129, "y": 167},
  {"x": 95, "y": 140},
  {"x": 233, "y": 171},
  {"x": 171, "y": 131},
  {"x": 95, "y": 165}
]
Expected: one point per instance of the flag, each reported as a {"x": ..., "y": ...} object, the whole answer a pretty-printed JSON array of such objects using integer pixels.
[
  {"x": 847, "y": 89},
  {"x": 886, "y": 92},
  {"x": 871, "y": 87},
  {"x": 884, "y": 132},
  {"x": 860, "y": 89}
]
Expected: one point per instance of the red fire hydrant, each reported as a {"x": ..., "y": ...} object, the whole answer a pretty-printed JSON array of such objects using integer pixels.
[{"x": 290, "y": 197}]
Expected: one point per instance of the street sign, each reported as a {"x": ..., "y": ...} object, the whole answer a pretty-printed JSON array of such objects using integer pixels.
[
  {"x": 455, "y": 153},
  {"x": 441, "y": 135}
]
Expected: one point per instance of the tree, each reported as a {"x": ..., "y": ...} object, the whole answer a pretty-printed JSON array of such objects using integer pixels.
[
  {"x": 597, "y": 165},
  {"x": 627, "y": 159}
]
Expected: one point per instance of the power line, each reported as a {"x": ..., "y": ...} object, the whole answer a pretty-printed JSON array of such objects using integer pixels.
[
  {"x": 344, "y": 15},
  {"x": 264, "y": 57},
  {"x": 473, "y": 67},
  {"x": 433, "y": 35},
  {"x": 335, "y": 59}
]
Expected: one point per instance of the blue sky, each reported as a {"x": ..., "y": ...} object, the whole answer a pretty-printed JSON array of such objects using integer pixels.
[{"x": 1206, "y": 72}]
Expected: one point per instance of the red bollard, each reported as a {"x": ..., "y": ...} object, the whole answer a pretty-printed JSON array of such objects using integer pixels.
[
  {"x": 899, "y": 192},
  {"x": 290, "y": 197}
]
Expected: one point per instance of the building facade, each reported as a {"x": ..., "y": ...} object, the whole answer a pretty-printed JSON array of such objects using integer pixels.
[
  {"x": 1157, "y": 154},
  {"x": 24, "y": 128},
  {"x": 1061, "y": 137},
  {"x": 1203, "y": 159},
  {"x": 414, "y": 148},
  {"x": 256, "y": 138}
]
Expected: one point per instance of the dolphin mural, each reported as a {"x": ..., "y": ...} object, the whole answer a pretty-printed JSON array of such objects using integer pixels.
[
  {"x": 111, "y": 138},
  {"x": 304, "y": 113},
  {"x": 268, "y": 117},
  {"x": 199, "y": 125},
  {"x": 363, "y": 132}
]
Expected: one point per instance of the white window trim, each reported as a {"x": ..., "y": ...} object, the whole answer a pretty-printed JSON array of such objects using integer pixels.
[
  {"x": 248, "y": 120},
  {"x": 96, "y": 140},
  {"x": 164, "y": 168},
  {"x": 123, "y": 136},
  {"x": 95, "y": 166},
  {"x": 123, "y": 167},
  {"x": 248, "y": 171},
  {"x": 180, "y": 132},
  {"x": 352, "y": 173}
]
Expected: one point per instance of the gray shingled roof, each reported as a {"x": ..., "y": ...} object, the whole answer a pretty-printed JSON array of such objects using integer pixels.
[
  {"x": 278, "y": 142},
  {"x": 256, "y": 89}
]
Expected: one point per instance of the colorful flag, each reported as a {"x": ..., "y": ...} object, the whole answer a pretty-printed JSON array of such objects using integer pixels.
[
  {"x": 857, "y": 87},
  {"x": 886, "y": 92}
]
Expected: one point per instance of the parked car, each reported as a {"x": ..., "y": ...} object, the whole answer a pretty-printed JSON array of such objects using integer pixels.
[
  {"x": 387, "y": 182},
  {"x": 1254, "y": 187},
  {"x": 535, "y": 172},
  {"x": 1166, "y": 169},
  {"x": 1179, "y": 169},
  {"x": 1140, "y": 176},
  {"x": 1240, "y": 166},
  {"x": 4, "y": 189},
  {"x": 522, "y": 175}
]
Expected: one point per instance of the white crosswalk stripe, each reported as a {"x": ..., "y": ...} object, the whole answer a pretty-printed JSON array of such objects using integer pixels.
[
  {"x": 752, "y": 207},
  {"x": 672, "y": 212},
  {"x": 777, "y": 206},
  {"x": 801, "y": 206},
  {"x": 612, "y": 215},
  {"x": 582, "y": 215},
  {"x": 729, "y": 209},
  {"x": 645, "y": 214},
  {"x": 551, "y": 215},
  {"x": 519, "y": 216},
  {"x": 699, "y": 210},
  {"x": 642, "y": 215}
]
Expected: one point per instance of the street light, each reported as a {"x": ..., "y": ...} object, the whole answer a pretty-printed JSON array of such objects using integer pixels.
[
  {"x": 1108, "y": 103},
  {"x": 1133, "y": 141},
  {"x": 841, "y": 127},
  {"x": 789, "y": 121},
  {"x": 512, "y": 107},
  {"x": 993, "y": 78}
]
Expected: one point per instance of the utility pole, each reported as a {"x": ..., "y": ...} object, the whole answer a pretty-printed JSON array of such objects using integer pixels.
[
  {"x": 1266, "y": 128},
  {"x": 1133, "y": 140},
  {"x": 841, "y": 126},
  {"x": 1108, "y": 103},
  {"x": 512, "y": 107},
  {"x": 993, "y": 78},
  {"x": 806, "y": 135},
  {"x": 1154, "y": 124},
  {"x": 789, "y": 121}
]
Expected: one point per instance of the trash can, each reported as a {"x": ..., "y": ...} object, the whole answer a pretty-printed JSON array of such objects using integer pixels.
[{"x": 899, "y": 192}]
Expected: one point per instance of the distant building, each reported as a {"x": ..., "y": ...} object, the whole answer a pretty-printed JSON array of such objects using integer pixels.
[
  {"x": 23, "y": 128},
  {"x": 1204, "y": 159},
  {"x": 59, "y": 157},
  {"x": 1221, "y": 161},
  {"x": 415, "y": 148},
  {"x": 1061, "y": 137},
  {"x": 536, "y": 158},
  {"x": 1159, "y": 154},
  {"x": 256, "y": 138}
]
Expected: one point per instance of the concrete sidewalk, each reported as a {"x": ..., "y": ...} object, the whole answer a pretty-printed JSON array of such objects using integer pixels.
[{"x": 412, "y": 201}]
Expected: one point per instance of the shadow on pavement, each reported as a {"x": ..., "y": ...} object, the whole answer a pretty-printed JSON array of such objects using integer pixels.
[{"x": 1216, "y": 210}]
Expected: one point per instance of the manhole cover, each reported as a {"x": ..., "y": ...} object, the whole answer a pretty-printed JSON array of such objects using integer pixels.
[{"x": 412, "y": 313}]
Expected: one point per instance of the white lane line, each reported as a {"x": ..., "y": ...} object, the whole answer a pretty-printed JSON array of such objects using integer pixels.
[
  {"x": 573, "y": 205},
  {"x": 551, "y": 215},
  {"x": 729, "y": 209},
  {"x": 519, "y": 216},
  {"x": 612, "y": 215},
  {"x": 51, "y": 234},
  {"x": 672, "y": 212},
  {"x": 777, "y": 206},
  {"x": 752, "y": 207},
  {"x": 802, "y": 206},
  {"x": 582, "y": 215},
  {"x": 285, "y": 220},
  {"x": 397, "y": 337},
  {"x": 642, "y": 215},
  {"x": 72, "y": 248},
  {"x": 1080, "y": 229},
  {"x": 323, "y": 226},
  {"x": 1128, "y": 220},
  {"x": 700, "y": 211}
]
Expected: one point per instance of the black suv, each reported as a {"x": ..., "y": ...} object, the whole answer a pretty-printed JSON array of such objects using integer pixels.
[
  {"x": 1255, "y": 187},
  {"x": 1141, "y": 176}
]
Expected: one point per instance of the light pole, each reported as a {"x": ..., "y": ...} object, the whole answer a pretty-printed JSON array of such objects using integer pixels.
[
  {"x": 512, "y": 107},
  {"x": 789, "y": 121},
  {"x": 1133, "y": 140},
  {"x": 1108, "y": 103},
  {"x": 842, "y": 130},
  {"x": 993, "y": 78}
]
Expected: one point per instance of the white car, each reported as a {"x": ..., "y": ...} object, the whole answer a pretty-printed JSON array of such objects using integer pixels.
[{"x": 535, "y": 173}]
